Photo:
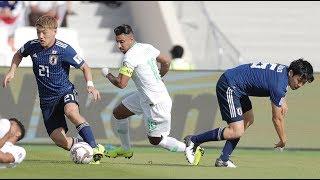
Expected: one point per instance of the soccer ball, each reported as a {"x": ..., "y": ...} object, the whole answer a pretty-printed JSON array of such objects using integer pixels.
[{"x": 81, "y": 153}]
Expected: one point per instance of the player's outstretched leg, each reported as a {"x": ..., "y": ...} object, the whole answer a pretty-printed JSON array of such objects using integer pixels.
[
  {"x": 124, "y": 135},
  {"x": 193, "y": 151},
  {"x": 172, "y": 144}
]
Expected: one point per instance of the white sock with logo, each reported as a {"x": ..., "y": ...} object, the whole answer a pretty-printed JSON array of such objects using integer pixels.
[
  {"x": 123, "y": 132},
  {"x": 172, "y": 144}
]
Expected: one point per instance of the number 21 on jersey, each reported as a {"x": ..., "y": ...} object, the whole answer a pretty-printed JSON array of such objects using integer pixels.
[{"x": 43, "y": 70}]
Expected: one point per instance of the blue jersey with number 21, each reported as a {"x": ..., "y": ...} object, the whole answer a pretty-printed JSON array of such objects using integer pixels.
[
  {"x": 259, "y": 79},
  {"x": 51, "y": 68}
]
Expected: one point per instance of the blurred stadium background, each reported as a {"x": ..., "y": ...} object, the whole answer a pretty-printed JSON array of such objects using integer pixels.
[{"x": 216, "y": 35}]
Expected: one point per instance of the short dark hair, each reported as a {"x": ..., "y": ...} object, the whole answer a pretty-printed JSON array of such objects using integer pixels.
[
  {"x": 176, "y": 51},
  {"x": 303, "y": 68},
  {"x": 23, "y": 130},
  {"x": 123, "y": 29}
]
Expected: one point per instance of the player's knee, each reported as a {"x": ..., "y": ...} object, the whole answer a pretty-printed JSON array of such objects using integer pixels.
[
  {"x": 69, "y": 111},
  {"x": 154, "y": 140},
  {"x": 234, "y": 133}
]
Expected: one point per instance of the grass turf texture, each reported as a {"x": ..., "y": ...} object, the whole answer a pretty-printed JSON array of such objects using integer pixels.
[{"x": 49, "y": 161}]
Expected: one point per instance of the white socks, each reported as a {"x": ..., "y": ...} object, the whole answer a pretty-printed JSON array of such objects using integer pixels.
[
  {"x": 123, "y": 132},
  {"x": 168, "y": 143},
  {"x": 172, "y": 144}
]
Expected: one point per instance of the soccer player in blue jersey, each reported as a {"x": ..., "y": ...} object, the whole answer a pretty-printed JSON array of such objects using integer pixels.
[
  {"x": 51, "y": 60},
  {"x": 233, "y": 90}
]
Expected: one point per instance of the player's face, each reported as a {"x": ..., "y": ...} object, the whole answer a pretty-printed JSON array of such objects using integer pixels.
[
  {"x": 295, "y": 82},
  {"x": 124, "y": 42},
  {"x": 46, "y": 36},
  {"x": 14, "y": 128}
]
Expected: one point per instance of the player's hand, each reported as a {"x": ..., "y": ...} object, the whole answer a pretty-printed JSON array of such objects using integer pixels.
[
  {"x": 104, "y": 71},
  {"x": 7, "y": 79},
  {"x": 95, "y": 93}
]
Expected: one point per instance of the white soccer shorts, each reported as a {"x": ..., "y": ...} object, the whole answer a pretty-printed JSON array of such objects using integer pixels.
[{"x": 157, "y": 117}]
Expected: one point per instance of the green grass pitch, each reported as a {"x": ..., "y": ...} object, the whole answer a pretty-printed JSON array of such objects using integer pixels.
[{"x": 49, "y": 161}]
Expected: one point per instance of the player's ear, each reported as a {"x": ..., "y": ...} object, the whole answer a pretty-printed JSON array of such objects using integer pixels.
[
  {"x": 131, "y": 37},
  {"x": 291, "y": 73}
]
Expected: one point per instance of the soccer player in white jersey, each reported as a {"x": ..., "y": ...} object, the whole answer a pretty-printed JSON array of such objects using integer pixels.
[
  {"x": 151, "y": 98},
  {"x": 11, "y": 131}
]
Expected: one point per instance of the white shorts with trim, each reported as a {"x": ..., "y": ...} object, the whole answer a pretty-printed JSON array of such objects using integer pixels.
[{"x": 157, "y": 117}]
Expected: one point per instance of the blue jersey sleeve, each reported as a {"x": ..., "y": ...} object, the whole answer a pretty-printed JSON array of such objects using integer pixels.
[
  {"x": 276, "y": 97},
  {"x": 72, "y": 58},
  {"x": 25, "y": 50}
]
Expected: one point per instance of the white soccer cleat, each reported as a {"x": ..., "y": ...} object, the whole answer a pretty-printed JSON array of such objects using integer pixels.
[
  {"x": 105, "y": 71},
  {"x": 189, "y": 154},
  {"x": 193, "y": 152},
  {"x": 228, "y": 164}
]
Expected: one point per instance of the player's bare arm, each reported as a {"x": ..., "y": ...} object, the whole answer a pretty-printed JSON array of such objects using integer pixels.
[
  {"x": 121, "y": 81},
  {"x": 6, "y": 157},
  {"x": 88, "y": 77},
  {"x": 284, "y": 107},
  {"x": 164, "y": 64},
  {"x": 278, "y": 122},
  {"x": 14, "y": 65}
]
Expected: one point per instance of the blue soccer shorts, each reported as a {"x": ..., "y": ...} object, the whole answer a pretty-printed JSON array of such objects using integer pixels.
[
  {"x": 232, "y": 107},
  {"x": 53, "y": 114}
]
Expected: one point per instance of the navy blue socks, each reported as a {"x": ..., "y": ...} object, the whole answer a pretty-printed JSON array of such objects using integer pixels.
[
  {"x": 212, "y": 135},
  {"x": 228, "y": 148},
  {"x": 86, "y": 133}
]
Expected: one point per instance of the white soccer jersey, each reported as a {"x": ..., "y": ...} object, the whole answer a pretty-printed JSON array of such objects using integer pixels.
[
  {"x": 4, "y": 127},
  {"x": 19, "y": 153},
  {"x": 140, "y": 62}
]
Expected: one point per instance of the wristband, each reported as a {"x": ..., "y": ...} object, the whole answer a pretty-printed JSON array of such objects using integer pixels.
[{"x": 90, "y": 83}]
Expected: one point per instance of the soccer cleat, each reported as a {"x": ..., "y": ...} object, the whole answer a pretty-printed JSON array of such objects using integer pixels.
[
  {"x": 193, "y": 151},
  {"x": 118, "y": 152},
  {"x": 97, "y": 154},
  {"x": 94, "y": 162},
  {"x": 197, "y": 155},
  {"x": 220, "y": 163}
]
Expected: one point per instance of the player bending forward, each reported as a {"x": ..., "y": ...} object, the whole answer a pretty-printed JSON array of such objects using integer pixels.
[{"x": 233, "y": 90}]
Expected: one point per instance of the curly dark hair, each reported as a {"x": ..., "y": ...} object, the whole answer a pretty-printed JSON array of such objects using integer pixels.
[
  {"x": 302, "y": 68},
  {"x": 123, "y": 29}
]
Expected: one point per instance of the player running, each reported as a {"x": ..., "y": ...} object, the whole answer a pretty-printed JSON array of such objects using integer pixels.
[
  {"x": 51, "y": 60},
  {"x": 151, "y": 98}
]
